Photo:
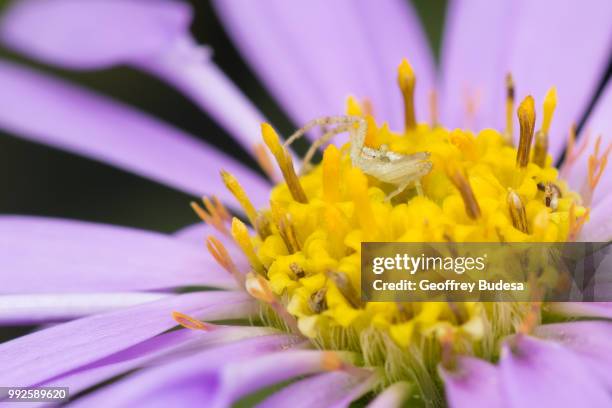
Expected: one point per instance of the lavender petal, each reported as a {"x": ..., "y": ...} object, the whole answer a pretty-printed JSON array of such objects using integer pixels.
[
  {"x": 158, "y": 350},
  {"x": 80, "y": 121},
  {"x": 543, "y": 373},
  {"x": 335, "y": 389},
  {"x": 43, "y": 308},
  {"x": 312, "y": 55},
  {"x": 191, "y": 379},
  {"x": 42, "y": 355},
  {"x": 473, "y": 383},
  {"x": 152, "y": 35},
  {"x": 46, "y": 255}
]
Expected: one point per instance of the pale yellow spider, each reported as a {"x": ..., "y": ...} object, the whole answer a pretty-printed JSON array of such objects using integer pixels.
[{"x": 388, "y": 166}]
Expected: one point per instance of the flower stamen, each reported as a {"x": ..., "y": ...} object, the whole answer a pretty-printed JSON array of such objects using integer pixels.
[
  {"x": 214, "y": 213},
  {"x": 263, "y": 159},
  {"x": 433, "y": 109},
  {"x": 510, "y": 95},
  {"x": 331, "y": 174},
  {"x": 285, "y": 227},
  {"x": 462, "y": 184},
  {"x": 240, "y": 233},
  {"x": 238, "y": 192},
  {"x": 358, "y": 187},
  {"x": 597, "y": 164},
  {"x": 259, "y": 287},
  {"x": 285, "y": 163},
  {"x": 526, "y": 115},
  {"x": 345, "y": 287},
  {"x": 220, "y": 254},
  {"x": 406, "y": 81},
  {"x": 517, "y": 212},
  {"x": 540, "y": 149},
  {"x": 191, "y": 323}
]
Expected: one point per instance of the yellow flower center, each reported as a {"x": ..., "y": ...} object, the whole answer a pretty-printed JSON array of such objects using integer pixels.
[{"x": 465, "y": 187}]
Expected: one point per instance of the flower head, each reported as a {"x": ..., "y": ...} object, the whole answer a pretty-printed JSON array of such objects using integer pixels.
[{"x": 287, "y": 305}]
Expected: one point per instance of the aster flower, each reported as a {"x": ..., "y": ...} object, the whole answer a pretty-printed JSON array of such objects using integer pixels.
[{"x": 287, "y": 310}]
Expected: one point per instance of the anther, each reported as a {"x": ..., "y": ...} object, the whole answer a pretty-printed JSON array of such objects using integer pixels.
[
  {"x": 240, "y": 233},
  {"x": 517, "y": 212},
  {"x": 368, "y": 107},
  {"x": 213, "y": 213},
  {"x": 552, "y": 193},
  {"x": 526, "y": 116},
  {"x": 467, "y": 194},
  {"x": 550, "y": 103},
  {"x": 263, "y": 159},
  {"x": 285, "y": 227},
  {"x": 192, "y": 323},
  {"x": 358, "y": 187},
  {"x": 531, "y": 318},
  {"x": 540, "y": 149},
  {"x": 285, "y": 163},
  {"x": 297, "y": 270},
  {"x": 220, "y": 254},
  {"x": 317, "y": 302},
  {"x": 433, "y": 108},
  {"x": 333, "y": 361},
  {"x": 331, "y": 174},
  {"x": 236, "y": 189},
  {"x": 345, "y": 287},
  {"x": 406, "y": 81},
  {"x": 449, "y": 356},
  {"x": 353, "y": 107},
  {"x": 510, "y": 95},
  {"x": 258, "y": 287},
  {"x": 597, "y": 164},
  {"x": 262, "y": 226}
]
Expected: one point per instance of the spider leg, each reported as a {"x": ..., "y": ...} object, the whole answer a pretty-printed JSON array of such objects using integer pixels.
[
  {"x": 324, "y": 121},
  {"x": 397, "y": 191},
  {"x": 320, "y": 142},
  {"x": 419, "y": 188}
]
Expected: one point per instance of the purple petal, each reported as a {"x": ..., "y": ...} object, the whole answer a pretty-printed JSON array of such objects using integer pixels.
[
  {"x": 35, "y": 309},
  {"x": 196, "y": 233},
  {"x": 96, "y": 33},
  {"x": 198, "y": 77},
  {"x": 590, "y": 339},
  {"x": 474, "y": 60},
  {"x": 545, "y": 374},
  {"x": 42, "y": 355},
  {"x": 45, "y": 255},
  {"x": 189, "y": 379},
  {"x": 236, "y": 380},
  {"x": 538, "y": 42},
  {"x": 83, "y": 122},
  {"x": 474, "y": 383},
  {"x": 582, "y": 309},
  {"x": 336, "y": 389},
  {"x": 152, "y": 35},
  {"x": 563, "y": 27},
  {"x": 312, "y": 55},
  {"x": 393, "y": 396},
  {"x": 165, "y": 347},
  {"x": 599, "y": 226}
]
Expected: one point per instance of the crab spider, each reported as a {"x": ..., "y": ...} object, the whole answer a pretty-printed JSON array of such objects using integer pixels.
[{"x": 397, "y": 169}]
